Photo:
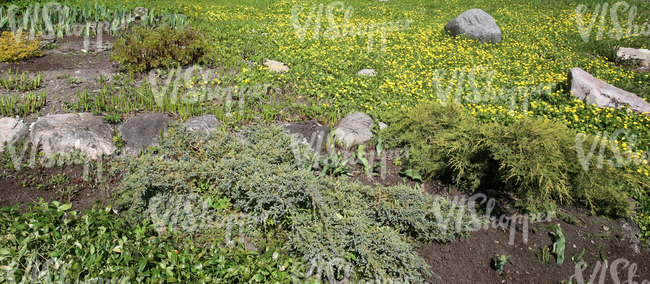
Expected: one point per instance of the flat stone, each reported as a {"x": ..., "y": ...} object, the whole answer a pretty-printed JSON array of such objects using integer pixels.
[
  {"x": 139, "y": 12},
  {"x": 475, "y": 24},
  {"x": 382, "y": 125},
  {"x": 354, "y": 129},
  {"x": 585, "y": 86},
  {"x": 64, "y": 133},
  {"x": 205, "y": 123},
  {"x": 310, "y": 132},
  {"x": 367, "y": 72},
  {"x": 11, "y": 130},
  {"x": 276, "y": 66},
  {"x": 143, "y": 131},
  {"x": 642, "y": 55}
]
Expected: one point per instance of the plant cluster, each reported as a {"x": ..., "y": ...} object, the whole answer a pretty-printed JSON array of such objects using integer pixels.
[
  {"x": 22, "y": 83},
  {"x": 361, "y": 232},
  {"x": 142, "y": 49},
  {"x": 62, "y": 246},
  {"x": 16, "y": 47},
  {"x": 534, "y": 159},
  {"x": 60, "y": 20},
  {"x": 12, "y": 105}
]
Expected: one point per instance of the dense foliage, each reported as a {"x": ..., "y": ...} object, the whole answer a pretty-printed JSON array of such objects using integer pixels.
[
  {"x": 143, "y": 48},
  {"x": 51, "y": 244},
  {"x": 341, "y": 229},
  {"x": 16, "y": 47},
  {"x": 534, "y": 159}
]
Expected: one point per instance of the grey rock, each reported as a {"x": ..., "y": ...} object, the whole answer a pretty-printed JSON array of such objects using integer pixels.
[
  {"x": 205, "y": 123},
  {"x": 354, "y": 129},
  {"x": 382, "y": 125},
  {"x": 475, "y": 24},
  {"x": 584, "y": 85},
  {"x": 310, "y": 132},
  {"x": 629, "y": 231},
  {"x": 11, "y": 130},
  {"x": 367, "y": 72},
  {"x": 276, "y": 66},
  {"x": 640, "y": 55},
  {"x": 143, "y": 131},
  {"x": 139, "y": 12},
  {"x": 64, "y": 133}
]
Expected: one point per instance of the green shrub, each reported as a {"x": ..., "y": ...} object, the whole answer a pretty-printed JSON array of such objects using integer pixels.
[
  {"x": 534, "y": 159},
  {"x": 57, "y": 245},
  {"x": 343, "y": 230},
  {"x": 142, "y": 49},
  {"x": 16, "y": 47}
]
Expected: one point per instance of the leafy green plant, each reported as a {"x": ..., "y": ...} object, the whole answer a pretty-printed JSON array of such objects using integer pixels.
[
  {"x": 113, "y": 118},
  {"x": 544, "y": 255},
  {"x": 412, "y": 174},
  {"x": 219, "y": 204},
  {"x": 21, "y": 82},
  {"x": 119, "y": 141},
  {"x": 101, "y": 79},
  {"x": 142, "y": 49},
  {"x": 500, "y": 261},
  {"x": 578, "y": 257},
  {"x": 106, "y": 247},
  {"x": 558, "y": 245},
  {"x": 12, "y": 105},
  {"x": 642, "y": 215},
  {"x": 333, "y": 165},
  {"x": 59, "y": 179}
]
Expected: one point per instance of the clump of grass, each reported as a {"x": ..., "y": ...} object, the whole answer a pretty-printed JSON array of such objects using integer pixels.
[
  {"x": 12, "y": 105},
  {"x": 21, "y": 82}
]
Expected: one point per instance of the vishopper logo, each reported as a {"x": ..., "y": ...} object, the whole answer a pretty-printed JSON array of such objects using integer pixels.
[
  {"x": 375, "y": 159},
  {"x": 62, "y": 25},
  {"x": 621, "y": 263},
  {"x": 334, "y": 32},
  {"x": 605, "y": 10},
  {"x": 611, "y": 141},
  {"x": 52, "y": 270},
  {"x": 478, "y": 223},
  {"x": 486, "y": 93},
  {"x": 73, "y": 158},
  {"x": 204, "y": 91}
]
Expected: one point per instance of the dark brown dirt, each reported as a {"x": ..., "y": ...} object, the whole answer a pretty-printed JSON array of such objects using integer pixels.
[
  {"x": 66, "y": 60},
  {"x": 471, "y": 260},
  {"x": 63, "y": 184}
]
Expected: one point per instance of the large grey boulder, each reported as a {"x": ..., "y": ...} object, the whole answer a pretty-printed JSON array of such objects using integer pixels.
[
  {"x": 64, "y": 133},
  {"x": 475, "y": 24},
  {"x": 354, "y": 129},
  {"x": 640, "y": 55},
  {"x": 310, "y": 133},
  {"x": 11, "y": 130},
  {"x": 143, "y": 131},
  {"x": 205, "y": 123},
  {"x": 584, "y": 85}
]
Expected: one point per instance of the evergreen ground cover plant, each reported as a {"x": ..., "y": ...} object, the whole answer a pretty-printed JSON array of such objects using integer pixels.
[
  {"x": 532, "y": 158},
  {"x": 339, "y": 229}
]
